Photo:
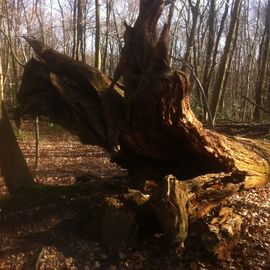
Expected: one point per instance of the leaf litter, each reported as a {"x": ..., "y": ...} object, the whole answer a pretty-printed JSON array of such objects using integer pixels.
[{"x": 44, "y": 236}]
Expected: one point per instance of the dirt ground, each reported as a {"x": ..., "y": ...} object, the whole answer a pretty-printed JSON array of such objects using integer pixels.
[{"x": 47, "y": 232}]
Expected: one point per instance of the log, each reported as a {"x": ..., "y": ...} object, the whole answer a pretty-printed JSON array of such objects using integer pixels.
[
  {"x": 177, "y": 208},
  {"x": 148, "y": 127},
  {"x": 179, "y": 205},
  {"x": 72, "y": 94},
  {"x": 222, "y": 233}
]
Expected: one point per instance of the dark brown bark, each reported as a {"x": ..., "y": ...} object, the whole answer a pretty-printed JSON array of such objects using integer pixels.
[
  {"x": 12, "y": 163},
  {"x": 148, "y": 127}
]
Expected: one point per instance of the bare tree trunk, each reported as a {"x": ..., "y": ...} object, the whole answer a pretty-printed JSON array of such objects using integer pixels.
[
  {"x": 39, "y": 21},
  {"x": 1, "y": 81},
  {"x": 11, "y": 45},
  {"x": 108, "y": 18},
  {"x": 209, "y": 51},
  {"x": 80, "y": 47},
  {"x": 262, "y": 65},
  {"x": 191, "y": 37},
  {"x": 98, "y": 37},
  {"x": 228, "y": 70},
  {"x": 74, "y": 23},
  {"x": 227, "y": 54},
  {"x": 215, "y": 52},
  {"x": 36, "y": 142},
  {"x": 63, "y": 27},
  {"x": 249, "y": 67}
]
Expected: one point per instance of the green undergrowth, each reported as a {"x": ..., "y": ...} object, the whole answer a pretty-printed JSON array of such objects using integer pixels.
[
  {"x": 27, "y": 131},
  {"x": 38, "y": 195}
]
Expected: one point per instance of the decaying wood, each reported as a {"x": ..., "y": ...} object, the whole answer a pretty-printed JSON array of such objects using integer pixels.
[
  {"x": 222, "y": 233},
  {"x": 148, "y": 128},
  {"x": 175, "y": 205},
  {"x": 180, "y": 203},
  {"x": 113, "y": 224}
]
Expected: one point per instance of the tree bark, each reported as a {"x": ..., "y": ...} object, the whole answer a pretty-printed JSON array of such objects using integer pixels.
[
  {"x": 209, "y": 52},
  {"x": 148, "y": 127},
  {"x": 98, "y": 37},
  {"x": 220, "y": 82},
  {"x": 191, "y": 37},
  {"x": 206, "y": 86},
  {"x": 12, "y": 163},
  {"x": 262, "y": 65},
  {"x": 106, "y": 45}
]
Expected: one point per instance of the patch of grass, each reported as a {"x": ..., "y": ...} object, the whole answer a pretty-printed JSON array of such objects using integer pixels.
[
  {"x": 38, "y": 195},
  {"x": 24, "y": 135},
  {"x": 46, "y": 129}
]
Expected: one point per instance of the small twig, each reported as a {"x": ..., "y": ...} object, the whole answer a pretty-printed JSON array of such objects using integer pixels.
[
  {"x": 37, "y": 142},
  {"x": 255, "y": 104},
  {"x": 210, "y": 122},
  {"x": 39, "y": 258}
]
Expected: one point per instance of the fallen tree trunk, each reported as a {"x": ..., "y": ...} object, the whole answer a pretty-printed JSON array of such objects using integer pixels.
[{"x": 148, "y": 128}]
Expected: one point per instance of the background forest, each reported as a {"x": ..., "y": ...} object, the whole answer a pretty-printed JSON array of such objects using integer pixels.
[{"x": 224, "y": 46}]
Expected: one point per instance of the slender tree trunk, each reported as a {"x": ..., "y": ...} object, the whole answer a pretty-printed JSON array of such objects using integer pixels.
[
  {"x": 173, "y": 36},
  {"x": 98, "y": 37},
  {"x": 209, "y": 51},
  {"x": 1, "y": 81},
  {"x": 116, "y": 30},
  {"x": 227, "y": 54},
  {"x": 108, "y": 19},
  {"x": 63, "y": 27},
  {"x": 80, "y": 47},
  {"x": 74, "y": 23},
  {"x": 10, "y": 41},
  {"x": 268, "y": 89},
  {"x": 262, "y": 65},
  {"x": 191, "y": 37},
  {"x": 111, "y": 63},
  {"x": 228, "y": 70},
  {"x": 215, "y": 52},
  {"x": 37, "y": 142},
  {"x": 251, "y": 40},
  {"x": 42, "y": 36}
]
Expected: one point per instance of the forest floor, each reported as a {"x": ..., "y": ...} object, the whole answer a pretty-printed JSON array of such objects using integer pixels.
[{"x": 42, "y": 228}]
